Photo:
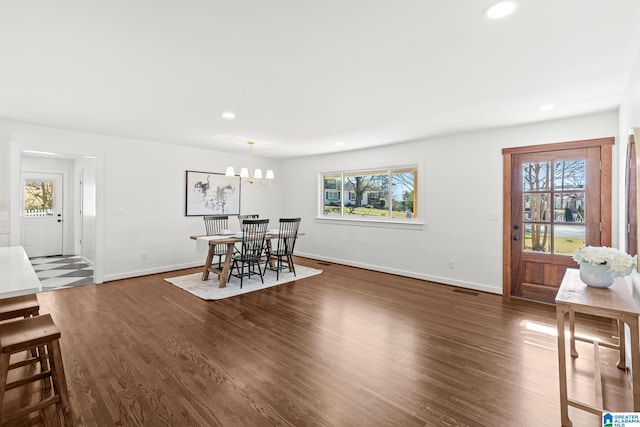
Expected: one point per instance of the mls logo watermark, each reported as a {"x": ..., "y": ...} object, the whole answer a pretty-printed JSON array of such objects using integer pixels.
[{"x": 621, "y": 419}]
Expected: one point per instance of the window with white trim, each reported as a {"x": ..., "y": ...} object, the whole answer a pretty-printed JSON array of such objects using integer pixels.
[{"x": 380, "y": 193}]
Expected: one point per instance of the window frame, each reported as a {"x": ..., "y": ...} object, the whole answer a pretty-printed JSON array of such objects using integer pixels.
[{"x": 415, "y": 222}]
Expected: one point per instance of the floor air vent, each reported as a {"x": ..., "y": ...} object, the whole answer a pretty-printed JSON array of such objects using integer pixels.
[
  {"x": 324, "y": 263},
  {"x": 462, "y": 291}
]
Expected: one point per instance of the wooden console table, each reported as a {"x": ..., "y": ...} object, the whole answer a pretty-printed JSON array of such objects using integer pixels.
[{"x": 615, "y": 302}]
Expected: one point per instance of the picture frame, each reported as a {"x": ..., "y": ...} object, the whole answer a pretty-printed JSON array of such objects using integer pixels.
[{"x": 211, "y": 193}]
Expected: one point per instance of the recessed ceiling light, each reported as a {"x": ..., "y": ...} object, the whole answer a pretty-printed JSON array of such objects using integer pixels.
[
  {"x": 501, "y": 9},
  {"x": 547, "y": 107},
  {"x": 228, "y": 115},
  {"x": 339, "y": 143}
]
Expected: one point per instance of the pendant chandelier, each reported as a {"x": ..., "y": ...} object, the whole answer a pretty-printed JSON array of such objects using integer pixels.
[{"x": 249, "y": 174}]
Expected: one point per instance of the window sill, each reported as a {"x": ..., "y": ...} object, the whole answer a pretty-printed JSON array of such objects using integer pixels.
[{"x": 370, "y": 222}]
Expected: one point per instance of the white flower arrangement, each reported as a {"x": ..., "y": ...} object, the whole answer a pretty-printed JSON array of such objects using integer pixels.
[{"x": 620, "y": 263}]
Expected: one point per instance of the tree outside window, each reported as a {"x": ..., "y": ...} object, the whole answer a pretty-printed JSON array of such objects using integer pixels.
[{"x": 38, "y": 198}]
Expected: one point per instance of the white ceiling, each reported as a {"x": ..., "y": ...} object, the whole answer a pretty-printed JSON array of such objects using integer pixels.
[{"x": 302, "y": 75}]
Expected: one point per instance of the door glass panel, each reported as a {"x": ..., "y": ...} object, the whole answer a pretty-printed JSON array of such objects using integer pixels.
[
  {"x": 568, "y": 207},
  {"x": 569, "y": 174},
  {"x": 554, "y": 213},
  {"x": 526, "y": 207},
  {"x": 38, "y": 198},
  {"x": 568, "y": 238},
  {"x": 536, "y": 238},
  {"x": 536, "y": 207},
  {"x": 536, "y": 176}
]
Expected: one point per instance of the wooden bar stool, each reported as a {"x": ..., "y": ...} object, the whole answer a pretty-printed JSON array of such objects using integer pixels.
[
  {"x": 21, "y": 306},
  {"x": 24, "y": 334}
]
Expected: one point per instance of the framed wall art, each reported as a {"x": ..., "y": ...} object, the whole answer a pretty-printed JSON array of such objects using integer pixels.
[{"x": 210, "y": 193}]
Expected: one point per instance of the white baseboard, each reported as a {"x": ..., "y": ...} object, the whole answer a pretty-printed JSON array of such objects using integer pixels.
[
  {"x": 437, "y": 279},
  {"x": 155, "y": 270},
  {"x": 444, "y": 280}
]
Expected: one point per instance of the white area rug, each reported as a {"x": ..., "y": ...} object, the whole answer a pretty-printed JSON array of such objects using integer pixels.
[{"x": 209, "y": 289}]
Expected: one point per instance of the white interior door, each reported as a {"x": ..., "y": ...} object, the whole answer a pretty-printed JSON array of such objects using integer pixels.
[{"x": 42, "y": 213}]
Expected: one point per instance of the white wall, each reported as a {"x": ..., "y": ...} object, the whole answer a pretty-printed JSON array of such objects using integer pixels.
[
  {"x": 86, "y": 169},
  {"x": 5, "y": 189},
  {"x": 462, "y": 180},
  {"x": 144, "y": 180}
]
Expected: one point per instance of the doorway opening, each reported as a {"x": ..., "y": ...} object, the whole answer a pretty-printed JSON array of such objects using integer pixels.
[{"x": 57, "y": 217}]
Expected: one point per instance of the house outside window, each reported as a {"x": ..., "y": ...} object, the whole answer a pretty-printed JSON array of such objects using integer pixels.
[
  {"x": 332, "y": 195},
  {"x": 381, "y": 193}
]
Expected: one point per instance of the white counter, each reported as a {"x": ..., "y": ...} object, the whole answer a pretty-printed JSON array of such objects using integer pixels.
[{"x": 17, "y": 276}]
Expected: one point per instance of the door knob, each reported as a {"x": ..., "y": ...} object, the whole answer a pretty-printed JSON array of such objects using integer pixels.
[
  {"x": 516, "y": 238},
  {"x": 516, "y": 227},
  {"x": 59, "y": 220}
]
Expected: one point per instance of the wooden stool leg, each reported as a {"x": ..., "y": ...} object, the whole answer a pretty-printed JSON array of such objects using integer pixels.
[
  {"x": 44, "y": 364},
  {"x": 42, "y": 356},
  {"x": 60, "y": 381},
  {"x": 4, "y": 370},
  {"x": 34, "y": 350}
]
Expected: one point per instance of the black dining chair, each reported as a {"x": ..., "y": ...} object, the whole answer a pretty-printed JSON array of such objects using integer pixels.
[
  {"x": 252, "y": 245},
  {"x": 215, "y": 225},
  {"x": 241, "y": 218},
  {"x": 287, "y": 236}
]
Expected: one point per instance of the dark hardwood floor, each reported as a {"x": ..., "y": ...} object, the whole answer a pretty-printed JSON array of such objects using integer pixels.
[{"x": 348, "y": 347}]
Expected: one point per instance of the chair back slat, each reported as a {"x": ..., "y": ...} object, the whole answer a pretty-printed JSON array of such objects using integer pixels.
[
  {"x": 287, "y": 235},
  {"x": 241, "y": 219},
  {"x": 253, "y": 235},
  {"x": 215, "y": 224}
]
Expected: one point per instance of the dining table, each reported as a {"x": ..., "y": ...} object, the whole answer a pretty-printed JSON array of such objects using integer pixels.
[{"x": 230, "y": 240}]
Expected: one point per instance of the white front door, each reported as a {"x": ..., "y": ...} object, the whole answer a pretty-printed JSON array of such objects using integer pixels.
[{"x": 41, "y": 213}]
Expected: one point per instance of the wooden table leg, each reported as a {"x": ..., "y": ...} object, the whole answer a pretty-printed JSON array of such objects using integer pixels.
[
  {"x": 224, "y": 274},
  {"x": 561, "y": 311},
  {"x": 622, "y": 361},
  {"x": 207, "y": 263},
  {"x": 269, "y": 248},
  {"x": 572, "y": 333}
]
